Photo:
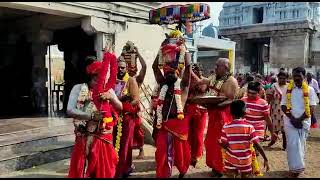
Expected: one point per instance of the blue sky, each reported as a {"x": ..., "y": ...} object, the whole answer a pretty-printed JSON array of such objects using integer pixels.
[{"x": 215, "y": 8}]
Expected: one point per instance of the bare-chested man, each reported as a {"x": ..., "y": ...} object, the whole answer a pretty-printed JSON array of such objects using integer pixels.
[
  {"x": 128, "y": 92},
  {"x": 171, "y": 139},
  {"x": 197, "y": 117},
  {"x": 138, "y": 135},
  {"x": 222, "y": 83}
]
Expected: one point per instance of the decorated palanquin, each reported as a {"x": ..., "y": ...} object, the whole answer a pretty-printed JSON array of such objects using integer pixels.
[
  {"x": 129, "y": 55},
  {"x": 183, "y": 13},
  {"x": 172, "y": 53},
  {"x": 171, "y": 60}
]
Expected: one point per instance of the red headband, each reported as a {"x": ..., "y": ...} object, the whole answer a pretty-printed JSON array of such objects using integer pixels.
[{"x": 94, "y": 67}]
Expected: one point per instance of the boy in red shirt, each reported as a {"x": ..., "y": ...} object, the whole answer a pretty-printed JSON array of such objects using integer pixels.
[{"x": 237, "y": 138}]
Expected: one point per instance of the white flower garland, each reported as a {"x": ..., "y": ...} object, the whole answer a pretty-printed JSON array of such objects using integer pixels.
[
  {"x": 162, "y": 95},
  {"x": 177, "y": 93},
  {"x": 83, "y": 98},
  {"x": 85, "y": 95},
  {"x": 182, "y": 53}
]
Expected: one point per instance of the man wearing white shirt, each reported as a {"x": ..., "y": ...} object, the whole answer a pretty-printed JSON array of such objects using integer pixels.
[
  {"x": 313, "y": 83},
  {"x": 297, "y": 122}
]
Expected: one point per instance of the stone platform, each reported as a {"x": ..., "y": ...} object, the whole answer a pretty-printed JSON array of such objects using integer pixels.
[{"x": 28, "y": 142}]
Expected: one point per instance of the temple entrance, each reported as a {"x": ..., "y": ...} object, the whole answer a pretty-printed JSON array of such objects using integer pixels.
[
  {"x": 257, "y": 53},
  {"x": 24, "y": 72}
]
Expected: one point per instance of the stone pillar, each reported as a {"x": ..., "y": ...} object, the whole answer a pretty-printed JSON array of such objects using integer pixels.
[
  {"x": 99, "y": 44},
  {"x": 104, "y": 30},
  {"x": 39, "y": 41}
]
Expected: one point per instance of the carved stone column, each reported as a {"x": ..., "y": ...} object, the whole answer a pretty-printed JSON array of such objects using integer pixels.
[{"x": 103, "y": 30}]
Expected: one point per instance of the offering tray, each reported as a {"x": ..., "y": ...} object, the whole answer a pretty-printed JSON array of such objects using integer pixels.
[{"x": 208, "y": 100}]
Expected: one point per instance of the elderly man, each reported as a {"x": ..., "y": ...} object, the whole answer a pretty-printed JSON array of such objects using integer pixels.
[
  {"x": 222, "y": 83},
  {"x": 298, "y": 104}
]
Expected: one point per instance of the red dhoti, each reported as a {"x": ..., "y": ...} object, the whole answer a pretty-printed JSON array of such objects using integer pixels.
[
  {"x": 172, "y": 148},
  {"x": 78, "y": 158},
  {"x": 138, "y": 137},
  {"x": 126, "y": 142},
  {"x": 197, "y": 118},
  {"x": 218, "y": 116},
  {"x": 102, "y": 158}
]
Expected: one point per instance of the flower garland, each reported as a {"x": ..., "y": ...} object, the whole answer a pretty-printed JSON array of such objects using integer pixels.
[
  {"x": 109, "y": 61},
  {"x": 119, "y": 125},
  {"x": 305, "y": 90},
  {"x": 177, "y": 94},
  {"x": 216, "y": 84},
  {"x": 154, "y": 97},
  {"x": 119, "y": 134},
  {"x": 83, "y": 98}
]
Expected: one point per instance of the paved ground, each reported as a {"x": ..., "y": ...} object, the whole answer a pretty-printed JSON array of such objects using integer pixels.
[{"x": 146, "y": 167}]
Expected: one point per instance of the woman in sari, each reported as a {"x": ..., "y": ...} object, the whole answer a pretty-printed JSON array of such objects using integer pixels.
[{"x": 274, "y": 95}]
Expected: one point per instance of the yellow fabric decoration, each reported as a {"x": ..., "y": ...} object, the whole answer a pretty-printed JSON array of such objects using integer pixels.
[
  {"x": 107, "y": 119},
  {"x": 255, "y": 164},
  {"x": 175, "y": 34},
  {"x": 180, "y": 116}
]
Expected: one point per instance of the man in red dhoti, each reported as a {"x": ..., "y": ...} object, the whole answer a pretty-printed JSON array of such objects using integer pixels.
[
  {"x": 222, "y": 83},
  {"x": 128, "y": 92},
  {"x": 129, "y": 54},
  {"x": 197, "y": 116},
  {"x": 153, "y": 105},
  {"x": 93, "y": 154},
  {"x": 172, "y": 147}
]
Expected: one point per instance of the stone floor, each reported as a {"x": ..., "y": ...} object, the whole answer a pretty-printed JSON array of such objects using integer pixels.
[{"x": 146, "y": 167}]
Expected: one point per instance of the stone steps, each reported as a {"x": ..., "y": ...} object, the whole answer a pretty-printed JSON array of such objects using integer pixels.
[{"x": 33, "y": 147}]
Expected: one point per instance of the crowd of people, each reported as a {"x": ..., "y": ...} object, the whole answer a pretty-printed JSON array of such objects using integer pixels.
[{"x": 107, "y": 124}]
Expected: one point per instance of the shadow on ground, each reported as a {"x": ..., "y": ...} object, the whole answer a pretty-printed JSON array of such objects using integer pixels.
[{"x": 38, "y": 176}]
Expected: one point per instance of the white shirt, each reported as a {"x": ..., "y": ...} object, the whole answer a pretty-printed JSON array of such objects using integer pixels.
[
  {"x": 315, "y": 85},
  {"x": 297, "y": 103}
]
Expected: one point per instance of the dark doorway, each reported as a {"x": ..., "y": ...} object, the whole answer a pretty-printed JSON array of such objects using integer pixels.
[
  {"x": 76, "y": 46},
  {"x": 15, "y": 78},
  {"x": 257, "y": 53},
  {"x": 257, "y": 15}
]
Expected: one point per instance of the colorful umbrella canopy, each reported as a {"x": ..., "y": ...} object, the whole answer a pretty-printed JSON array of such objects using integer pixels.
[{"x": 179, "y": 12}]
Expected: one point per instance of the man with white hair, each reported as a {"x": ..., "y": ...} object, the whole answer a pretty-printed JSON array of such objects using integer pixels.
[{"x": 222, "y": 83}]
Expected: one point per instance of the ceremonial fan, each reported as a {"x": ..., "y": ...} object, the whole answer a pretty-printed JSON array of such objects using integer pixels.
[{"x": 181, "y": 13}]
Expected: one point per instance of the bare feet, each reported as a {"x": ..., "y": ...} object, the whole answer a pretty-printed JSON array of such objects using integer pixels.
[
  {"x": 294, "y": 175},
  {"x": 271, "y": 143},
  {"x": 181, "y": 175},
  {"x": 141, "y": 154},
  {"x": 193, "y": 162}
]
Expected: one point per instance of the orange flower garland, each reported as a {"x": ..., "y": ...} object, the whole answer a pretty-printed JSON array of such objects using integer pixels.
[{"x": 305, "y": 89}]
